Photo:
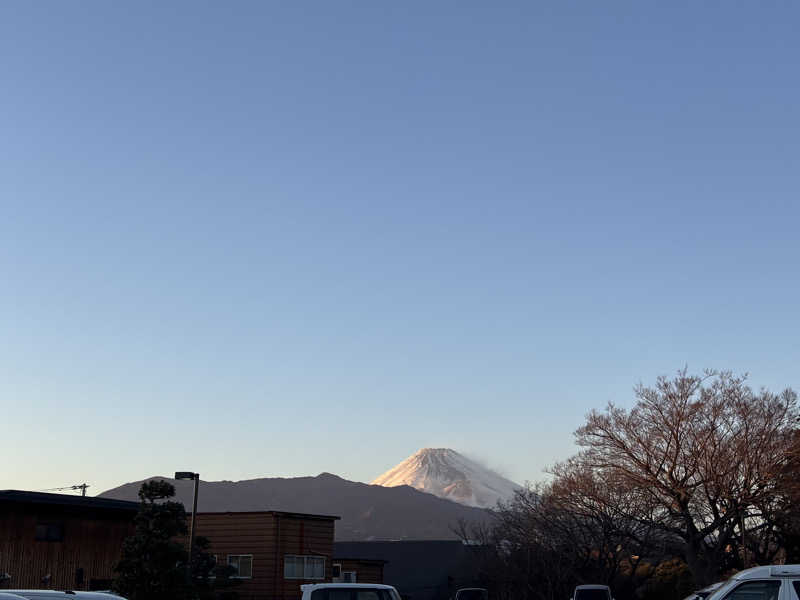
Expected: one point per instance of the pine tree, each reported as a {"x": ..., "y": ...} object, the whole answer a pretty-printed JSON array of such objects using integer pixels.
[{"x": 153, "y": 564}]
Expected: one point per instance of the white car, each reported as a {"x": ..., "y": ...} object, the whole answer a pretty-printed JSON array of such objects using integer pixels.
[
  {"x": 57, "y": 595},
  {"x": 348, "y": 591},
  {"x": 705, "y": 592},
  {"x": 777, "y": 582},
  {"x": 592, "y": 592}
]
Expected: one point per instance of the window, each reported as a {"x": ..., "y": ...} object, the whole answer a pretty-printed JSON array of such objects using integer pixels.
[
  {"x": 340, "y": 576},
  {"x": 293, "y": 567},
  {"x": 303, "y": 567},
  {"x": 756, "y": 590},
  {"x": 49, "y": 532},
  {"x": 334, "y": 594},
  {"x": 243, "y": 564},
  {"x": 590, "y": 594},
  {"x": 481, "y": 594},
  {"x": 339, "y": 595}
]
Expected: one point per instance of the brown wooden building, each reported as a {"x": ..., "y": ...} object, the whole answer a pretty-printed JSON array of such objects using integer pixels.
[
  {"x": 59, "y": 541},
  {"x": 274, "y": 552}
]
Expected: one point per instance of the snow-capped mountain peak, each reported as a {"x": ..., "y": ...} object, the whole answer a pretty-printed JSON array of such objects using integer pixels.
[{"x": 446, "y": 473}]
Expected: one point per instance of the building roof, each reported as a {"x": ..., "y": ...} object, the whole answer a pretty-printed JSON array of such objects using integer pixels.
[
  {"x": 67, "y": 500},
  {"x": 279, "y": 513},
  {"x": 365, "y": 561}
]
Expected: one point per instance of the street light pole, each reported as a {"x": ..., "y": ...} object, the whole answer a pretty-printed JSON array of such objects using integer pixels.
[{"x": 196, "y": 478}]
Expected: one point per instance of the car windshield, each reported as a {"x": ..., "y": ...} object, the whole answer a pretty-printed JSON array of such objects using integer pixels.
[
  {"x": 476, "y": 594},
  {"x": 720, "y": 592},
  {"x": 596, "y": 594}
]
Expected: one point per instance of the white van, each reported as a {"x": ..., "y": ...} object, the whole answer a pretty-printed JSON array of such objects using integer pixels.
[
  {"x": 777, "y": 582},
  {"x": 348, "y": 591},
  {"x": 60, "y": 595}
]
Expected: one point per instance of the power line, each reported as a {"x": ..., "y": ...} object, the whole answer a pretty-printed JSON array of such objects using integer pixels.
[{"x": 81, "y": 487}]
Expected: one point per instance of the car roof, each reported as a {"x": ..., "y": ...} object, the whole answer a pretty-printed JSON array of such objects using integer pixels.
[
  {"x": 63, "y": 593},
  {"x": 768, "y": 571},
  {"x": 320, "y": 586},
  {"x": 40, "y": 592},
  {"x": 592, "y": 586}
]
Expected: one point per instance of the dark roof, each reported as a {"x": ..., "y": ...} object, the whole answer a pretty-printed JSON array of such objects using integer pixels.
[
  {"x": 395, "y": 543},
  {"x": 279, "y": 513},
  {"x": 366, "y": 561},
  {"x": 25, "y": 497}
]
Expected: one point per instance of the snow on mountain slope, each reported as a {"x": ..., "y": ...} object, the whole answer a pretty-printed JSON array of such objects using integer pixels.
[{"x": 448, "y": 474}]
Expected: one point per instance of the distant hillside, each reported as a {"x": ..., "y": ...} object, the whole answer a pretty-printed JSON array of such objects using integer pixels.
[{"x": 368, "y": 511}]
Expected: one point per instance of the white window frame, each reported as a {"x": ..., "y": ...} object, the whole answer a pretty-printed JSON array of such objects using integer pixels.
[
  {"x": 240, "y": 557},
  {"x": 346, "y": 580},
  {"x": 305, "y": 558}
]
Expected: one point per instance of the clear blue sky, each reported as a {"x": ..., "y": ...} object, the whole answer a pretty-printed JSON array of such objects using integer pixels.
[{"x": 280, "y": 238}]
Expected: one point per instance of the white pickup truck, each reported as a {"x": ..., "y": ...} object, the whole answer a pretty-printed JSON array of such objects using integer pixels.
[{"x": 776, "y": 582}]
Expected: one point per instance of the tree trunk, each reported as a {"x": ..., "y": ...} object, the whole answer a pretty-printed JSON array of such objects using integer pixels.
[{"x": 697, "y": 558}]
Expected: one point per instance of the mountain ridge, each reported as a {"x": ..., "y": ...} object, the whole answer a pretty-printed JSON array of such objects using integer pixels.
[{"x": 368, "y": 512}]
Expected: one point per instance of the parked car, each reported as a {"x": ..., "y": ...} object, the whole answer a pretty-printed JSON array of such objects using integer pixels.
[
  {"x": 761, "y": 583},
  {"x": 348, "y": 591},
  {"x": 471, "y": 594},
  {"x": 592, "y": 592},
  {"x": 59, "y": 595}
]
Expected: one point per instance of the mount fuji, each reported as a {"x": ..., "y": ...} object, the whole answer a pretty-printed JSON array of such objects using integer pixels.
[{"x": 447, "y": 474}]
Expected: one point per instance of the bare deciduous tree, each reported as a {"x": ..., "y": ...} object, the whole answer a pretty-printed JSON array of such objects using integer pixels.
[
  {"x": 702, "y": 452},
  {"x": 701, "y": 469}
]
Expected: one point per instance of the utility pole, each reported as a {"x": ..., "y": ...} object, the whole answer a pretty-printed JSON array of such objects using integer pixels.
[
  {"x": 82, "y": 487},
  {"x": 196, "y": 478}
]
